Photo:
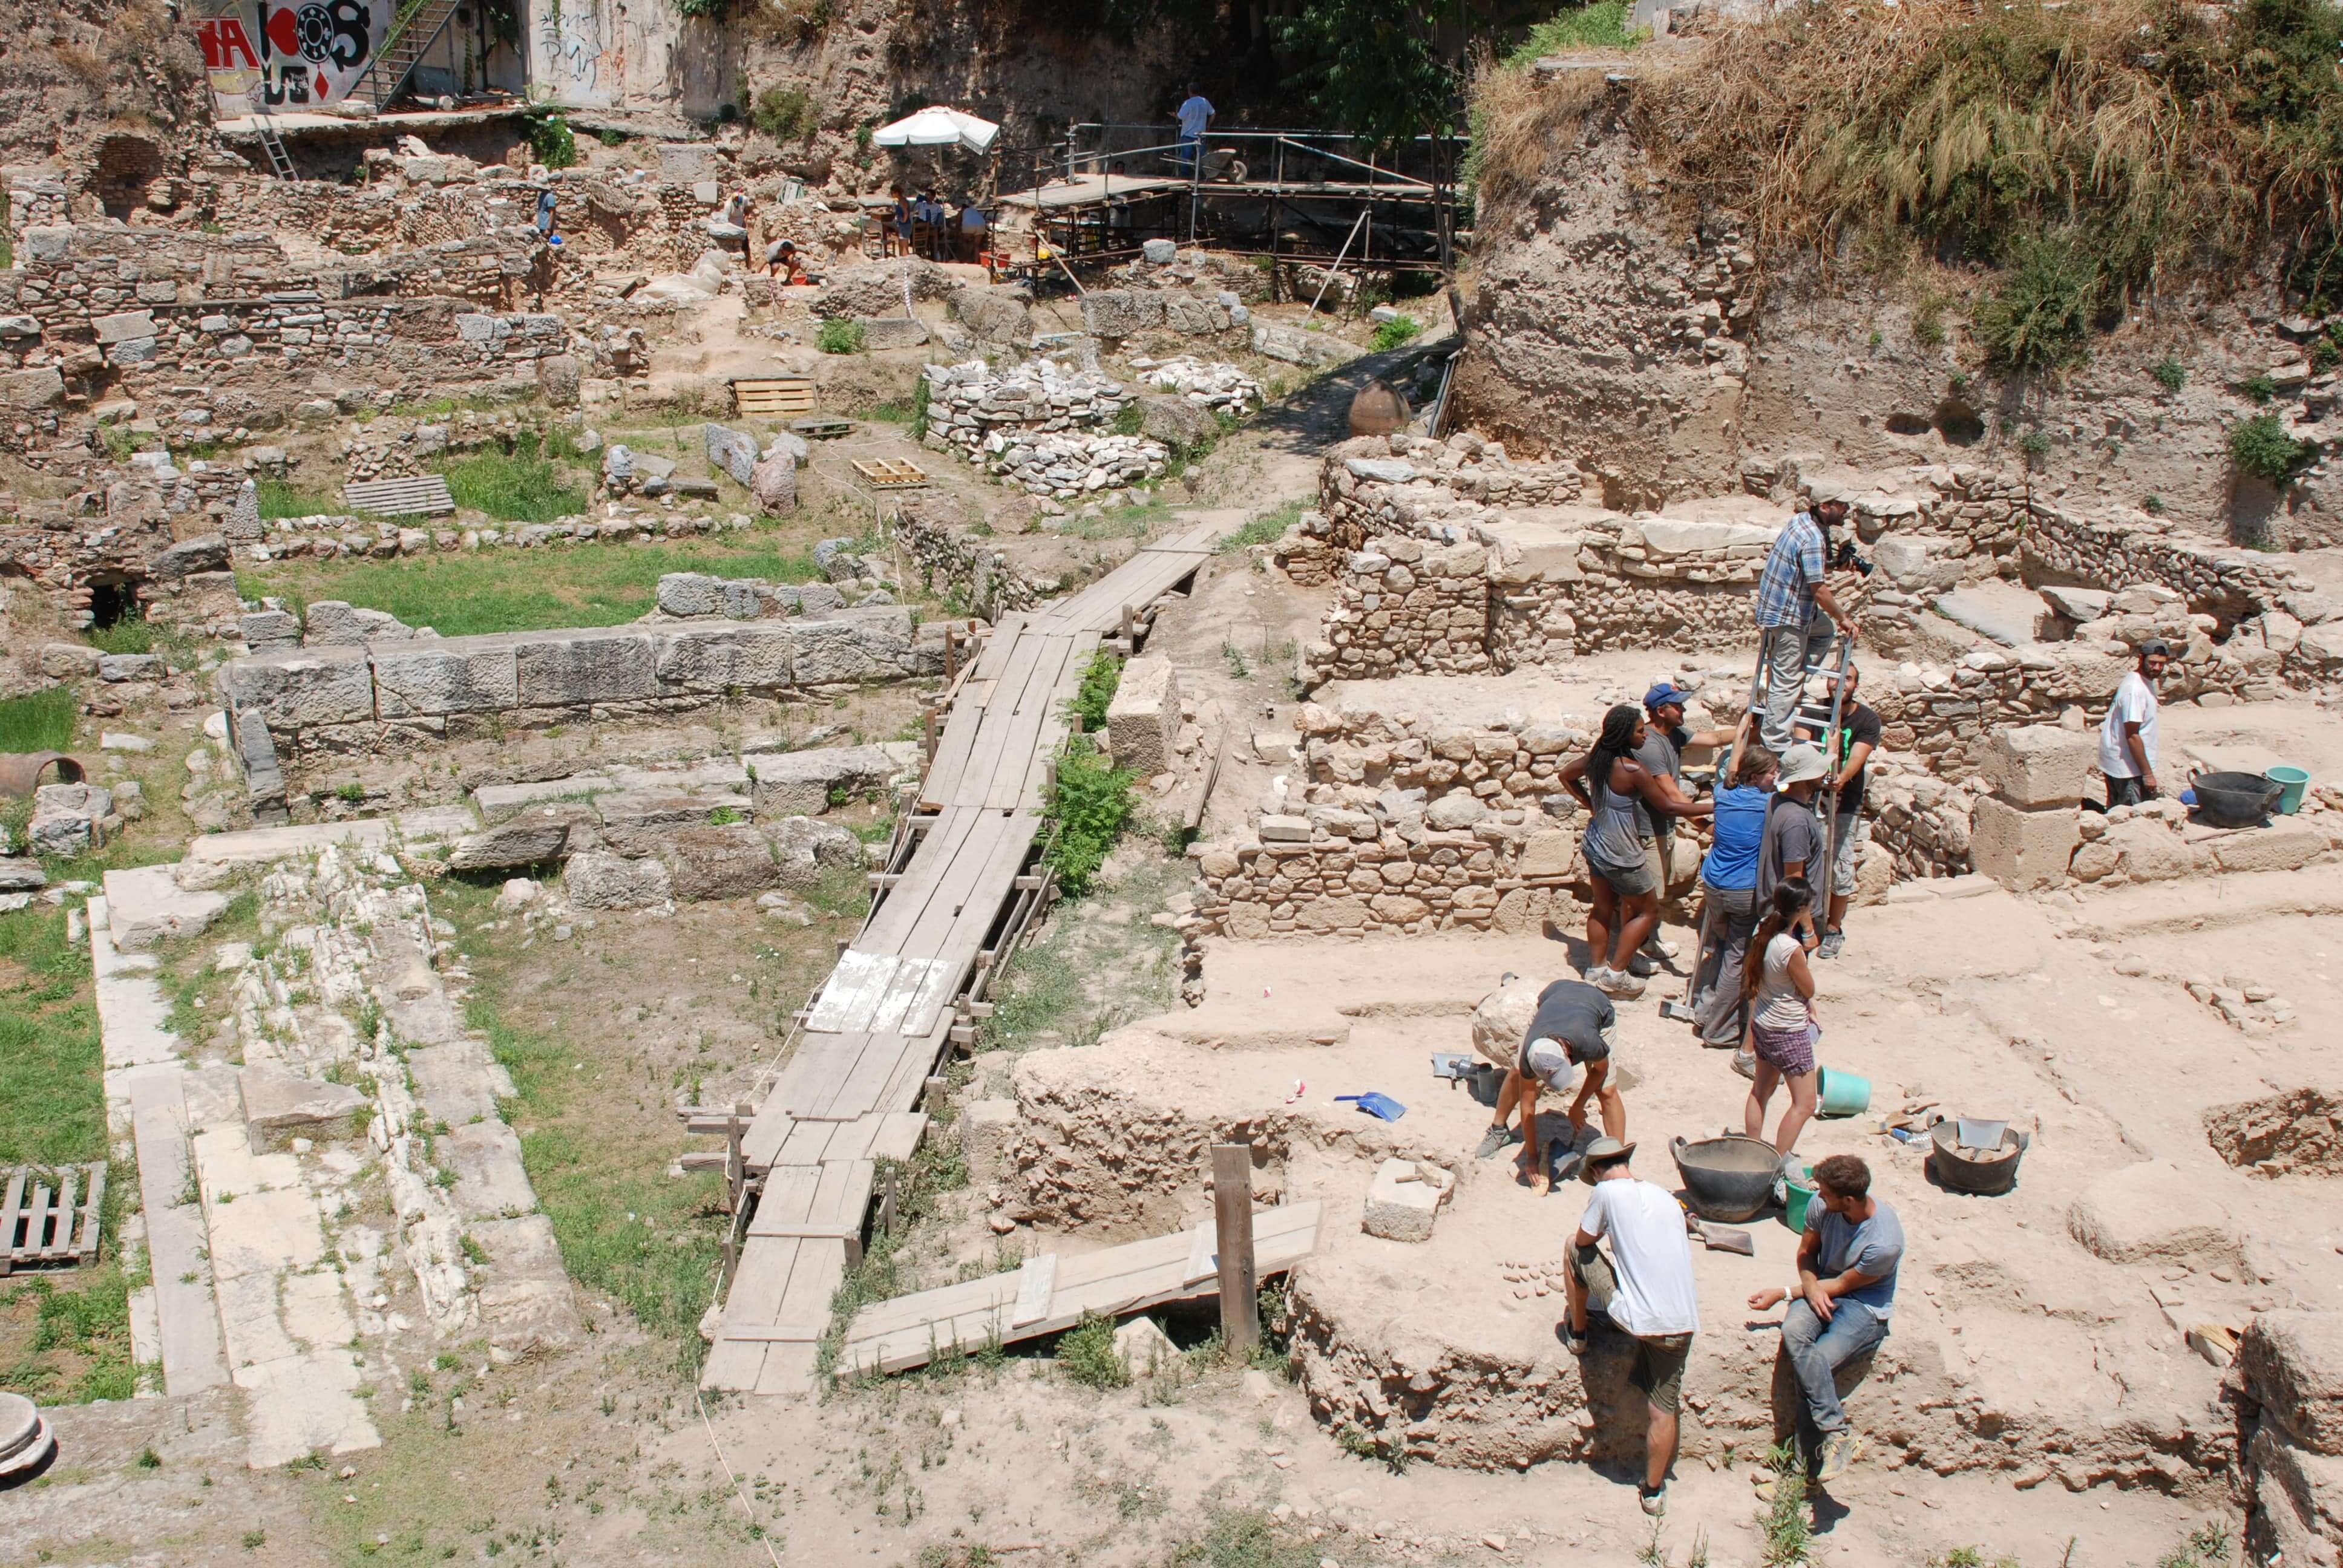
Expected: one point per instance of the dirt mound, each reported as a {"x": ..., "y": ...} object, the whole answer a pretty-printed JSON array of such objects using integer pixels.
[{"x": 2299, "y": 1132}]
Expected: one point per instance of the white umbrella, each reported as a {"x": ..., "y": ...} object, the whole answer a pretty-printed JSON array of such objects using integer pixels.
[{"x": 938, "y": 126}]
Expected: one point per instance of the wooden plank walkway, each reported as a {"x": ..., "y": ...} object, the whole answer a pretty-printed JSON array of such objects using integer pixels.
[
  {"x": 875, "y": 1031},
  {"x": 1052, "y": 1294}
]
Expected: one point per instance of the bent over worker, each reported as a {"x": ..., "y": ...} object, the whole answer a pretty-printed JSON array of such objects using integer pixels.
[{"x": 1572, "y": 1028}]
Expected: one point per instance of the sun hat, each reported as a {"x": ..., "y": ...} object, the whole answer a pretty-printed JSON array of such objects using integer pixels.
[
  {"x": 1800, "y": 764},
  {"x": 1602, "y": 1151},
  {"x": 1548, "y": 1062}
]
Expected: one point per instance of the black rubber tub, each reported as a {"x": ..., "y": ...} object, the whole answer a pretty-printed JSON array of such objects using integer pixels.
[
  {"x": 1728, "y": 1178},
  {"x": 1980, "y": 1173},
  {"x": 2235, "y": 799}
]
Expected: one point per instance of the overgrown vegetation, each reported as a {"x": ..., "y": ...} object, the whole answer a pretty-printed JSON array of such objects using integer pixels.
[
  {"x": 1086, "y": 1353},
  {"x": 1602, "y": 26},
  {"x": 1396, "y": 333},
  {"x": 1096, "y": 693},
  {"x": 280, "y": 499},
  {"x": 52, "y": 1105},
  {"x": 785, "y": 113},
  {"x": 512, "y": 488},
  {"x": 1265, "y": 529},
  {"x": 1246, "y": 1538},
  {"x": 39, "y": 720},
  {"x": 2093, "y": 151},
  {"x": 839, "y": 336},
  {"x": 550, "y": 140},
  {"x": 2260, "y": 447},
  {"x": 1366, "y": 67},
  {"x": 2170, "y": 373},
  {"x": 1088, "y": 808}
]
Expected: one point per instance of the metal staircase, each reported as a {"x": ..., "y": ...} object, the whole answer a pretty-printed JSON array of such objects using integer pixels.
[{"x": 412, "y": 33}]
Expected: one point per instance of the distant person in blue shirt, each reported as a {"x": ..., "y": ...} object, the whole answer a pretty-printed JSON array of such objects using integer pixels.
[
  {"x": 1847, "y": 1260},
  {"x": 1728, "y": 897},
  {"x": 1194, "y": 115}
]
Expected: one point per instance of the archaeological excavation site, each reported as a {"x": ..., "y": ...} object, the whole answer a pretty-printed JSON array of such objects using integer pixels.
[{"x": 1033, "y": 784}]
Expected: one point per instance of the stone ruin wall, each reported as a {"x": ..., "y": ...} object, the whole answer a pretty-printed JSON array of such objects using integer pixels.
[{"x": 953, "y": 560}]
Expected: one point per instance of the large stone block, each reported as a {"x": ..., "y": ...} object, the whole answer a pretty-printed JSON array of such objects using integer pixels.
[
  {"x": 712, "y": 862},
  {"x": 463, "y": 675},
  {"x": 300, "y": 688},
  {"x": 280, "y": 1105},
  {"x": 2146, "y": 851},
  {"x": 803, "y": 783},
  {"x": 571, "y": 669},
  {"x": 532, "y": 839},
  {"x": 595, "y": 880},
  {"x": 2293, "y": 1361},
  {"x": 32, "y": 388},
  {"x": 986, "y": 1126},
  {"x": 1142, "y": 722},
  {"x": 2288, "y": 844},
  {"x": 2041, "y": 765},
  {"x": 1309, "y": 349},
  {"x": 2153, "y": 1213},
  {"x": 1401, "y": 1202},
  {"x": 2298, "y": 1501},
  {"x": 757, "y": 658},
  {"x": 1120, "y": 312},
  {"x": 855, "y": 646},
  {"x": 732, "y": 451},
  {"x": 2024, "y": 849},
  {"x": 995, "y": 315}
]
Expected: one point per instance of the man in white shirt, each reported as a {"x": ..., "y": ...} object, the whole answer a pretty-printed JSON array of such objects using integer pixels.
[
  {"x": 1194, "y": 114},
  {"x": 1644, "y": 1287},
  {"x": 2127, "y": 736}
]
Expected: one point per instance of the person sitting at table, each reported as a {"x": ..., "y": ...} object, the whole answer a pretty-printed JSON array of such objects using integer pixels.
[
  {"x": 898, "y": 239},
  {"x": 972, "y": 230}
]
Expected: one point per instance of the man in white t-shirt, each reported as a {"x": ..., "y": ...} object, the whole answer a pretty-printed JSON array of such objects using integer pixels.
[
  {"x": 1644, "y": 1287},
  {"x": 2127, "y": 736},
  {"x": 1194, "y": 114}
]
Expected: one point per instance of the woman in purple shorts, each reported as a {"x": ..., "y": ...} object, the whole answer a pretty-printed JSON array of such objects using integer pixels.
[{"x": 1780, "y": 991}]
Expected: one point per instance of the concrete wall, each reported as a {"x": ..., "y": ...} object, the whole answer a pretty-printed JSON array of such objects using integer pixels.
[{"x": 629, "y": 54}]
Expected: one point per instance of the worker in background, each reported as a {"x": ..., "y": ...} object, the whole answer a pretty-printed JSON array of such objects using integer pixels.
[
  {"x": 1609, "y": 782},
  {"x": 544, "y": 221},
  {"x": 1665, "y": 739},
  {"x": 1195, "y": 115},
  {"x": 1847, "y": 752},
  {"x": 2128, "y": 735},
  {"x": 1644, "y": 1287},
  {"x": 899, "y": 222},
  {"x": 1728, "y": 897},
  {"x": 973, "y": 229},
  {"x": 1789, "y": 592},
  {"x": 1789, "y": 847},
  {"x": 1572, "y": 1028},
  {"x": 1839, "y": 1308},
  {"x": 781, "y": 261},
  {"x": 1778, "y": 989}
]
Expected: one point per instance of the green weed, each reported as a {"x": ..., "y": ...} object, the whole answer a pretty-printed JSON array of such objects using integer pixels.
[
  {"x": 839, "y": 336},
  {"x": 1602, "y": 26},
  {"x": 1396, "y": 333},
  {"x": 1244, "y": 1538},
  {"x": 1086, "y": 1354},
  {"x": 2260, "y": 447},
  {"x": 2169, "y": 373},
  {"x": 1096, "y": 693},
  {"x": 1788, "y": 1535},
  {"x": 1265, "y": 529},
  {"x": 2038, "y": 320},
  {"x": 281, "y": 500},
  {"x": 513, "y": 489},
  {"x": 1088, "y": 808},
  {"x": 785, "y": 113}
]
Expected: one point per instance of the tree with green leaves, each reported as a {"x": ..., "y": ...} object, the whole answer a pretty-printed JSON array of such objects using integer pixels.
[{"x": 1369, "y": 68}]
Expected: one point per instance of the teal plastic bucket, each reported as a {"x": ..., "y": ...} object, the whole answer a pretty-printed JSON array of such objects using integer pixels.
[
  {"x": 2292, "y": 782},
  {"x": 1799, "y": 1188},
  {"x": 1843, "y": 1093}
]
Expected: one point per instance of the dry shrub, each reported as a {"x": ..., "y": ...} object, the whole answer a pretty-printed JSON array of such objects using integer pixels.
[
  {"x": 87, "y": 63},
  {"x": 2161, "y": 138},
  {"x": 1519, "y": 120}
]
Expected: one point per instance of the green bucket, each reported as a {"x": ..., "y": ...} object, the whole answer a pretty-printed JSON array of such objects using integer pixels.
[
  {"x": 1799, "y": 1189},
  {"x": 1843, "y": 1093},
  {"x": 2292, "y": 782}
]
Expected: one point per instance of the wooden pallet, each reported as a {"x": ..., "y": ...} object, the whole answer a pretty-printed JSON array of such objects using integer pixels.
[
  {"x": 822, "y": 429},
  {"x": 425, "y": 498},
  {"x": 55, "y": 1224},
  {"x": 890, "y": 472},
  {"x": 773, "y": 398}
]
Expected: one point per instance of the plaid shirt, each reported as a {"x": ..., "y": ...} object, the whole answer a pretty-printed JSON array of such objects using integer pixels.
[{"x": 1786, "y": 593}]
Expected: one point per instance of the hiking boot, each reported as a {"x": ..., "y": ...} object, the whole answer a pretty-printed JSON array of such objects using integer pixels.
[
  {"x": 1839, "y": 1450},
  {"x": 1654, "y": 1502},
  {"x": 1744, "y": 1063},
  {"x": 1494, "y": 1140},
  {"x": 1832, "y": 945}
]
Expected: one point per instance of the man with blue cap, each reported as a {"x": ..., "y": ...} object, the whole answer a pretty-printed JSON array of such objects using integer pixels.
[{"x": 1661, "y": 752}]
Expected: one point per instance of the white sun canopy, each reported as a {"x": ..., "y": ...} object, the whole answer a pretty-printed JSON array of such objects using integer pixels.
[{"x": 938, "y": 126}]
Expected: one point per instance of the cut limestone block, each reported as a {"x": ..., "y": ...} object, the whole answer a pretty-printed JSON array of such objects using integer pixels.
[
  {"x": 1145, "y": 1349},
  {"x": 146, "y": 906},
  {"x": 1401, "y": 1202},
  {"x": 2021, "y": 849},
  {"x": 2037, "y": 766},
  {"x": 1142, "y": 722},
  {"x": 2293, "y": 1361},
  {"x": 2153, "y": 1213},
  {"x": 278, "y": 1106},
  {"x": 985, "y": 1128}
]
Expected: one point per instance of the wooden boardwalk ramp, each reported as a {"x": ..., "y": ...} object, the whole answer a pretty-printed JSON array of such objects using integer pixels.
[{"x": 955, "y": 896}]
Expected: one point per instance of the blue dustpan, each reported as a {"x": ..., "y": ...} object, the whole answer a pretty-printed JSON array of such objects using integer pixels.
[{"x": 1376, "y": 1104}]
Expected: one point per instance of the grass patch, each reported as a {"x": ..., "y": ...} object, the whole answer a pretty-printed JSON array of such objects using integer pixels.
[
  {"x": 1246, "y": 1538},
  {"x": 52, "y": 1104},
  {"x": 1396, "y": 333},
  {"x": 1096, "y": 693},
  {"x": 512, "y": 591},
  {"x": 785, "y": 113},
  {"x": 839, "y": 336},
  {"x": 1086, "y": 1354},
  {"x": 39, "y": 720},
  {"x": 1265, "y": 529},
  {"x": 514, "y": 489},
  {"x": 1602, "y": 26},
  {"x": 2260, "y": 447},
  {"x": 1089, "y": 807},
  {"x": 2170, "y": 373},
  {"x": 280, "y": 499},
  {"x": 78, "y": 1346}
]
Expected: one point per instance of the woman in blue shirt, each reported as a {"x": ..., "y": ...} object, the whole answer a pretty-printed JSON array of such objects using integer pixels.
[{"x": 1728, "y": 894}]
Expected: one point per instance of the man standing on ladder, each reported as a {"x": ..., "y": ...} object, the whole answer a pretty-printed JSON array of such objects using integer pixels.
[{"x": 1789, "y": 593}]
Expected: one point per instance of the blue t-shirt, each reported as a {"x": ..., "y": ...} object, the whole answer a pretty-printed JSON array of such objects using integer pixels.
[
  {"x": 1874, "y": 1247},
  {"x": 1739, "y": 823}
]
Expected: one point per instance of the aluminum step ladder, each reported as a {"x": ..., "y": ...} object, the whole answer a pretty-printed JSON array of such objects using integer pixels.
[
  {"x": 280, "y": 162},
  {"x": 1819, "y": 714}
]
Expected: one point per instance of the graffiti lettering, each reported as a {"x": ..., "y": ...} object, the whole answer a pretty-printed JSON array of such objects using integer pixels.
[{"x": 225, "y": 45}]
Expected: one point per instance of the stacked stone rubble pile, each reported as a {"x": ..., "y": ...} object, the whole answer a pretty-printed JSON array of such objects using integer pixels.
[{"x": 1217, "y": 385}]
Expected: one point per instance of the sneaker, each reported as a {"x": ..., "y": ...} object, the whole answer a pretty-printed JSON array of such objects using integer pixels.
[
  {"x": 1654, "y": 1502},
  {"x": 1661, "y": 946},
  {"x": 1744, "y": 1063},
  {"x": 1832, "y": 945},
  {"x": 1572, "y": 1340},
  {"x": 1625, "y": 987},
  {"x": 1839, "y": 1451},
  {"x": 1494, "y": 1140},
  {"x": 1640, "y": 965}
]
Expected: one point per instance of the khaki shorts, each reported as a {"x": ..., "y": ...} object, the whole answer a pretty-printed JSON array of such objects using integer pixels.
[
  {"x": 1659, "y": 1361},
  {"x": 1659, "y": 862},
  {"x": 1853, "y": 834}
]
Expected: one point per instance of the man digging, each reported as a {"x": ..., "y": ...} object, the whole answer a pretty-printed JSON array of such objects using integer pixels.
[
  {"x": 1644, "y": 1287},
  {"x": 1571, "y": 1027}
]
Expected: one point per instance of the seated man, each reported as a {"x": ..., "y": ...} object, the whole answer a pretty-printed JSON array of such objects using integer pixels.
[
  {"x": 782, "y": 261},
  {"x": 1847, "y": 1260},
  {"x": 973, "y": 226},
  {"x": 1571, "y": 1027},
  {"x": 1644, "y": 1287}
]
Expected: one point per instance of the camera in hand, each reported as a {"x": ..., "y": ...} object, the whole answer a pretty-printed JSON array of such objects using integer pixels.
[{"x": 1845, "y": 559}]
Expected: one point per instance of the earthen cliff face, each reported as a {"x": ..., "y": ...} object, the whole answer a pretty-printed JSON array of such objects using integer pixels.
[{"x": 1662, "y": 354}]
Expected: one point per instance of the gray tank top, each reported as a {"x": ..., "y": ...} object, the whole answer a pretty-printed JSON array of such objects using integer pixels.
[{"x": 1610, "y": 837}]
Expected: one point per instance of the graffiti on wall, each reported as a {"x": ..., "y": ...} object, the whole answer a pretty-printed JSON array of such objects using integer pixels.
[
  {"x": 636, "y": 54},
  {"x": 287, "y": 54}
]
